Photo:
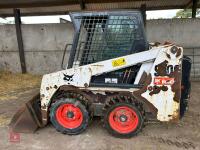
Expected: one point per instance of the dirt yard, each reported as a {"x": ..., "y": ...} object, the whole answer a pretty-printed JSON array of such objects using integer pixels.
[{"x": 15, "y": 89}]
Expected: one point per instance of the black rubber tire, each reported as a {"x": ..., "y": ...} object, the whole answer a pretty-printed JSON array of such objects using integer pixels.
[
  {"x": 114, "y": 132},
  {"x": 183, "y": 107},
  {"x": 62, "y": 129}
]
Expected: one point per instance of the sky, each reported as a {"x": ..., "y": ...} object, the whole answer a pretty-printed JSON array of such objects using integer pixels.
[
  {"x": 161, "y": 14},
  {"x": 56, "y": 19}
]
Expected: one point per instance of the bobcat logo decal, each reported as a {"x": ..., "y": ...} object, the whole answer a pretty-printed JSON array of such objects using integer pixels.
[{"x": 68, "y": 77}]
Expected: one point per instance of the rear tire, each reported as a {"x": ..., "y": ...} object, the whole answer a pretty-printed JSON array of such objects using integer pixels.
[
  {"x": 69, "y": 116},
  {"x": 123, "y": 120}
]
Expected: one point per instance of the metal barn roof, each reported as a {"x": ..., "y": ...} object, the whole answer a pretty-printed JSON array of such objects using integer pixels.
[{"x": 47, "y": 7}]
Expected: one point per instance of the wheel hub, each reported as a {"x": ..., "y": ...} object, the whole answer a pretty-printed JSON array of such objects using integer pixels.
[
  {"x": 70, "y": 114},
  {"x": 123, "y": 118}
]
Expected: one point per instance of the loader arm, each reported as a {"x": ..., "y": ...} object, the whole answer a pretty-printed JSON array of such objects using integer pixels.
[{"x": 81, "y": 76}]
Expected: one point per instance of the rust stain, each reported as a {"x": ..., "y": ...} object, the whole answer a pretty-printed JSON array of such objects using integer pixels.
[
  {"x": 175, "y": 116},
  {"x": 44, "y": 117},
  {"x": 168, "y": 43},
  {"x": 176, "y": 87},
  {"x": 156, "y": 89},
  {"x": 138, "y": 95},
  {"x": 168, "y": 56},
  {"x": 164, "y": 88},
  {"x": 143, "y": 78},
  {"x": 161, "y": 69},
  {"x": 157, "y": 44},
  {"x": 44, "y": 106},
  {"x": 178, "y": 52}
]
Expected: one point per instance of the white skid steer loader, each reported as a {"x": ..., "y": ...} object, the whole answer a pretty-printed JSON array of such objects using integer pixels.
[{"x": 114, "y": 73}]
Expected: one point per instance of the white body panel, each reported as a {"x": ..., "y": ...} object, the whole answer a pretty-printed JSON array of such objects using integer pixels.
[
  {"x": 164, "y": 101},
  {"x": 80, "y": 77}
]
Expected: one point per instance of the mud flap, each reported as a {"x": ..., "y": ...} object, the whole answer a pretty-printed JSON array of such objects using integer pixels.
[{"x": 28, "y": 118}]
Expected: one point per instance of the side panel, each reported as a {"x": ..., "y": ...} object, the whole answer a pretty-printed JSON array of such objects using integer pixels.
[{"x": 163, "y": 84}]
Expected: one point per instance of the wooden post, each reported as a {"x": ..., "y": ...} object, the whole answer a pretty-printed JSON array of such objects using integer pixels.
[
  {"x": 82, "y": 4},
  {"x": 143, "y": 11},
  {"x": 194, "y": 8},
  {"x": 19, "y": 39}
]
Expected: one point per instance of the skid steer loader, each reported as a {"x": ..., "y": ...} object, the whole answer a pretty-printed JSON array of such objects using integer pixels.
[{"x": 112, "y": 72}]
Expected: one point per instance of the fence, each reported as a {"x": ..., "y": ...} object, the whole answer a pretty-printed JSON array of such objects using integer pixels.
[{"x": 194, "y": 54}]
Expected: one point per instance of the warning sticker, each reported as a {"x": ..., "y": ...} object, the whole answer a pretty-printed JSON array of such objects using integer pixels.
[
  {"x": 118, "y": 62},
  {"x": 163, "y": 81}
]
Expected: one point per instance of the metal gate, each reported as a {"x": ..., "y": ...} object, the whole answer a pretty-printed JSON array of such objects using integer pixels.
[{"x": 194, "y": 54}]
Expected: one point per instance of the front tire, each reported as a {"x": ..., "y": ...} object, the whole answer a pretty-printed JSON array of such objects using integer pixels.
[
  {"x": 69, "y": 116},
  {"x": 123, "y": 120}
]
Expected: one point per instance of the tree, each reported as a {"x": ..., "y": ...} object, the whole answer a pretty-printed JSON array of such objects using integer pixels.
[{"x": 186, "y": 13}]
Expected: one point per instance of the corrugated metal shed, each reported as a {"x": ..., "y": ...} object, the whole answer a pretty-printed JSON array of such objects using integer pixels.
[{"x": 47, "y": 7}]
